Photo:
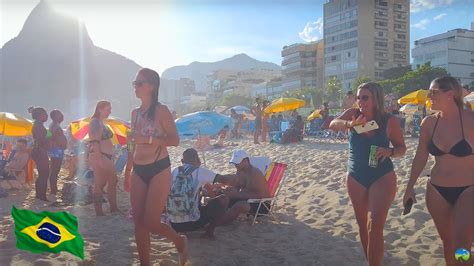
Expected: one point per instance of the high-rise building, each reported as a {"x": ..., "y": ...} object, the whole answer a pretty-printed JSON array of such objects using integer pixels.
[
  {"x": 302, "y": 65},
  {"x": 364, "y": 38},
  {"x": 172, "y": 90},
  {"x": 452, "y": 50}
]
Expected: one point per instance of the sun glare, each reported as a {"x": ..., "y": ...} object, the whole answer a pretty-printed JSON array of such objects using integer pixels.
[{"x": 153, "y": 31}]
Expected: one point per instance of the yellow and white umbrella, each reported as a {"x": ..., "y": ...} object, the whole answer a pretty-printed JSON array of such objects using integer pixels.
[
  {"x": 14, "y": 125},
  {"x": 416, "y": 97},
  {"x": 470, "y": 99}
]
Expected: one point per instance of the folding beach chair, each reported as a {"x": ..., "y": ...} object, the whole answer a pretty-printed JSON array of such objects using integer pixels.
[
  {"x": 275, "y": 177},
  {"x": 20, "y": 178}
]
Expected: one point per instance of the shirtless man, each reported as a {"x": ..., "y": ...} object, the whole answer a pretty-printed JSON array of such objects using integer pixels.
[{"x": 247, "y": 183}]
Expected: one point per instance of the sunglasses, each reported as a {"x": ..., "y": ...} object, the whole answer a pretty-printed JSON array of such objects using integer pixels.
[
  {"x": 138, "y": 83},
  {"x": 432, "y": 92},
  {"x": 362, "y": 98}
]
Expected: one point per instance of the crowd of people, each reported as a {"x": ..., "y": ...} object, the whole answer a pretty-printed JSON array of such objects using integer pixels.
[{"x": 192, "y": 197}]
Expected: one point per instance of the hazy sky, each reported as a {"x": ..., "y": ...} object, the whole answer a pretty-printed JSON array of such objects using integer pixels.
[{"x": 161, "y": 34}]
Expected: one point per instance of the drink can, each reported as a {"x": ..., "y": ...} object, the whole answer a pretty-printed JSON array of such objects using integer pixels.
[{"x": 373, "y": 162}]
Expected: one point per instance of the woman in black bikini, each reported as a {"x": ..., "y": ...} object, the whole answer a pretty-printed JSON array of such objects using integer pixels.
[
  {"x": 153, "y": 129},
  {"x": 449, "y": 136},
  {"x": 100, "y": 158}
]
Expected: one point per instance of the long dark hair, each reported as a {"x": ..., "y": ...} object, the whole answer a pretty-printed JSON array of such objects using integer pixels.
[
  {"x": 447, "y": 83},
  {"x": 153, "y": 78},
  {"x": 378, "y": 98},
  {"x": 36, "y": 112}
]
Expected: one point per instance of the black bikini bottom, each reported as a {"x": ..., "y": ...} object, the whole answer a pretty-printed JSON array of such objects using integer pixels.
[
  {"x": 148, "y": 171},
  {"x": 108, "y": 156},
  {"x": 450, "y": 194}
]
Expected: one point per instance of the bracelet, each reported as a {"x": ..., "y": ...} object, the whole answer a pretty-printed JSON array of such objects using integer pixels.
[
  {"x": 346, "y": 123},
  {"x": 392, "y": 152},
  {"x": 150, "y": 140}
]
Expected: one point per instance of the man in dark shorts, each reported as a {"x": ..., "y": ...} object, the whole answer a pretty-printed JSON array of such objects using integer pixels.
[
  {"x": 184, "y": 210},
  {"x": 247, "y": 183}
]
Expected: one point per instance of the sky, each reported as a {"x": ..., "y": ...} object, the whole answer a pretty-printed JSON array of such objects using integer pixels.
[{"x": 163, "y": 33}]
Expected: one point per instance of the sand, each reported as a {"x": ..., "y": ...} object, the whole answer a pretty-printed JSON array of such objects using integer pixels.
[{"x": 316, "y": 223}]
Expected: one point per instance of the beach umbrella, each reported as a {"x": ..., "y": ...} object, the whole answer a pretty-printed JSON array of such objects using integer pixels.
[
  {"x": 220, "y": 109},
  {"x": 284, "y": 104},
  {"x": 14, "y": 125},
  {"x": 416, "y": 97},
  {"x": 409, "y": 108},
  {"x": 241, "y": 109},
  {"x": 119, "y": 128},
  {"x": 245, "y": 111},
  {"x": 470, "y": 99},
  {"x": 204, "y": 123},
  {"x": 315, "y": 114}
]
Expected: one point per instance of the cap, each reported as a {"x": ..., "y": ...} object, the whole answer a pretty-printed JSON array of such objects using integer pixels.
[{"x": 238, "y": 156}]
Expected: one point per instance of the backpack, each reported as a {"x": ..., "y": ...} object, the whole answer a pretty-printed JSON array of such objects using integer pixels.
[{"x": 183, "y": 199}]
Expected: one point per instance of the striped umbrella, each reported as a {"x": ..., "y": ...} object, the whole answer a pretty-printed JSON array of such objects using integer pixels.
[{"x": 119, "y": 128}]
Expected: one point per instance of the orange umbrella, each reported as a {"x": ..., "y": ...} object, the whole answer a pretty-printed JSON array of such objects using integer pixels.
[{"x": 119, "y": 128}]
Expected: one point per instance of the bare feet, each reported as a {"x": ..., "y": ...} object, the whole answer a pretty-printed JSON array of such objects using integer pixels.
[
  {"x": 42, "y": 198},
  {"x": 183, "y": 254}
]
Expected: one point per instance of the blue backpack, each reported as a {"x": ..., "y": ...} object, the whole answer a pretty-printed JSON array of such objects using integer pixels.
[{"x": 183, "y": 200}]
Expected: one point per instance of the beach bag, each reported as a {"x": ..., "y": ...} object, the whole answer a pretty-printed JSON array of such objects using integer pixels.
[
  {"x": 183, "y": 199},
  {"x": 75, "y": 193}
]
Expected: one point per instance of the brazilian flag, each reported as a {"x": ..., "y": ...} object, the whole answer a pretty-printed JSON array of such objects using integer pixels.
[{"x": 47, "y": 232}]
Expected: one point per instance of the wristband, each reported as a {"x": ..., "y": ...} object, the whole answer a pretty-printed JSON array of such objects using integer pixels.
[
  {"x": 150, "y": 140},
  {"x": 392, "y": 151},
  {"x": 347, "y": 124}
]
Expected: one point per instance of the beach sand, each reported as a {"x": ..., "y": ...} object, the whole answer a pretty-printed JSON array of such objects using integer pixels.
[{"x": 316, "y": 220}]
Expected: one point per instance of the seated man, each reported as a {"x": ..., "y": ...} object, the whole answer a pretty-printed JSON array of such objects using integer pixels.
[
  {"x": 247, "y": 183},
  {"x": 184, "y": 210},
  {"x": 18, "y": 162},
  {"x": 295, "y": 132}
]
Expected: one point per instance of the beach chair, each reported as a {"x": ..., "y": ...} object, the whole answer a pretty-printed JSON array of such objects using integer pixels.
[
  {"x": 21, "y": 178},
  {"x": 275, "y": 177}
]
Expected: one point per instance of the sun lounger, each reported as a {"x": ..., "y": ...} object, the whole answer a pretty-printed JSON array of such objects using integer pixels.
[{"x": 275, "y": 176}]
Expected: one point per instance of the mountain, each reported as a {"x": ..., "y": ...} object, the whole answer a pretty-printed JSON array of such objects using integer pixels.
[
  {"x": 53, "y": 63},
  {"x": 198, "y": 71}
]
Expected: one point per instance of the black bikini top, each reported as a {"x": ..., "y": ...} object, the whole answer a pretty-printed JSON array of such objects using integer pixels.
[{"x": 460, "y": 149}]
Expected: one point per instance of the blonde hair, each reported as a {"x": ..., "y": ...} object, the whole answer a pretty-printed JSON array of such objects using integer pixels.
[{"x": 100, "y": 105}]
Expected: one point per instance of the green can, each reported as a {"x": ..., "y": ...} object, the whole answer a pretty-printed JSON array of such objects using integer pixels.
[{"x": 373, "y": 162}]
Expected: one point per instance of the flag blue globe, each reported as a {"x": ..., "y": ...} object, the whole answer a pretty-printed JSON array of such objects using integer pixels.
[{"x": 462, "y": 254}]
